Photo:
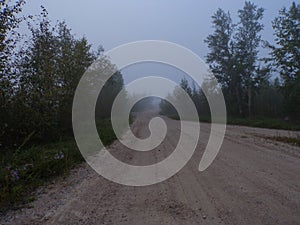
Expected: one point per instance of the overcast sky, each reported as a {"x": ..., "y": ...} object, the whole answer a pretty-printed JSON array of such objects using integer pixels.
[{"x": 114, "y": 22}]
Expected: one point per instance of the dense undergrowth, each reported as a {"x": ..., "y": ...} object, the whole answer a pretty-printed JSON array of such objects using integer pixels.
[{"x": 22, "y": 171}]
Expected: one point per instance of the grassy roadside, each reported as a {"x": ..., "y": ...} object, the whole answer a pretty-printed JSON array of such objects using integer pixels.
[
  {"x": 287, "y": 140},
  {"x": 255, "y": 122},
  {"x": 262, "y": 123},
  {"x": 23, "y": 171},
  {"x": 27, "y": 169},
  {"x": 266, "y": 123}
]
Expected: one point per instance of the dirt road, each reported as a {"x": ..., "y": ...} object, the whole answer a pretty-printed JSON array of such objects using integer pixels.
[{"x": 252, "y": 181}]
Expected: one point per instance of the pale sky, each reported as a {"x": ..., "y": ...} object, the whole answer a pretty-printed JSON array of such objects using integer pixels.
[{"x": 114, "y": 22}]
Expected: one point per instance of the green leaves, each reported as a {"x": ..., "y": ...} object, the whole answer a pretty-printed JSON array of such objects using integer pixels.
[
  {"x": 286, "y": 55},
  {"x": 287, "y": 51},
  {"x": 37, "y": 89},
  {"x": 233, "y": 56}
]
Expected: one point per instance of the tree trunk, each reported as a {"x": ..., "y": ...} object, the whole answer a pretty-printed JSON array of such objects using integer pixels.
[
  {"x": 239, "y": 100},
  {"x": 249, "y": 98}
]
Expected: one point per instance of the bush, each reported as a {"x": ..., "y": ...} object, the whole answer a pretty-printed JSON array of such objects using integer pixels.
[{"x": 25, "y": 170}]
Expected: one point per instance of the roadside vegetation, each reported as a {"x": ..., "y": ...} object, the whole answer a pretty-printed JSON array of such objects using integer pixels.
[
  {"x": 287, "y": 140},
  {"x": 291, "y": 140},
  {"x": 272, "y": 123},
  {"x": 26, "y": 169},
  {"x": 39, "y": 73}
]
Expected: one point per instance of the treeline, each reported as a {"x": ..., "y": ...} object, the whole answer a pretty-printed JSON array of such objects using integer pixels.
[
  {"x": 197, "y": 95},
  {"x": 39, "y": 74},
  {"x": 245, "y": 78},
  {"x": 247, "y": 84}
]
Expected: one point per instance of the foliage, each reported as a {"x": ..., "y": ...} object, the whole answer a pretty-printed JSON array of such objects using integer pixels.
[
  {"x": 286, "y": 56},
  {"x": 48, "y": 70},
  {"x": 265, "y": 122},
  {"x": 25, "y": 170},
  {"x": 195, "y": 93},
  {"x": 269, "y": 100},
  {"x": 247, "y": 40},
  {"x": 107, "y": 95},
  {"x": 38, "y": 80},
  {"x": 233, "y": 57},
  {"x": 289, "y": 140},
  {"x": 9, "y": 22}
]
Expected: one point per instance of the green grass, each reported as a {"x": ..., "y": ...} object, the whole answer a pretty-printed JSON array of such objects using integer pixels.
[
  {"x": 201, "y": 119},
  {"x": 255, "y": 122},
  {"x": 105, "y": 131},
  {"x": 174, "y": 117},
  {"x": 21, "y": 172},
  {"x": 265, "y": 123},
  {"x": 284, "y": 139}
]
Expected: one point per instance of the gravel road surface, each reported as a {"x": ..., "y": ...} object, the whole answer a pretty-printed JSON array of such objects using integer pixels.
[{"x": 252, "y": 181}]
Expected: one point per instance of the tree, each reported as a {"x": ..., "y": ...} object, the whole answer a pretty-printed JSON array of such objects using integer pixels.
[
  {"x": 233, "y": 57},
  {"x": 220, "y": 46},
  {"x": 40, "y": 80},
  {"x": 47, "y": 71},
  {"x": 248, "y": 40},
  {"x": 8, "y": 37},
  {"x": 9, "y": 21},
  {"x": 184, "y": 84},
  {"x": 74, "y": 57},
  {"x": 222, "y": 60},
  {"x": 108, "y": 94},
  {"x": 269, "y": 101},
  {"x": 166, "y": 108},
  {"x": 196, "y": 96},
  {"x": 286, "y": 55}
]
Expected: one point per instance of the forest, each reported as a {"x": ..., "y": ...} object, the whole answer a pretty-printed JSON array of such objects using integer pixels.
[{"x": 258, "y": 91}]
